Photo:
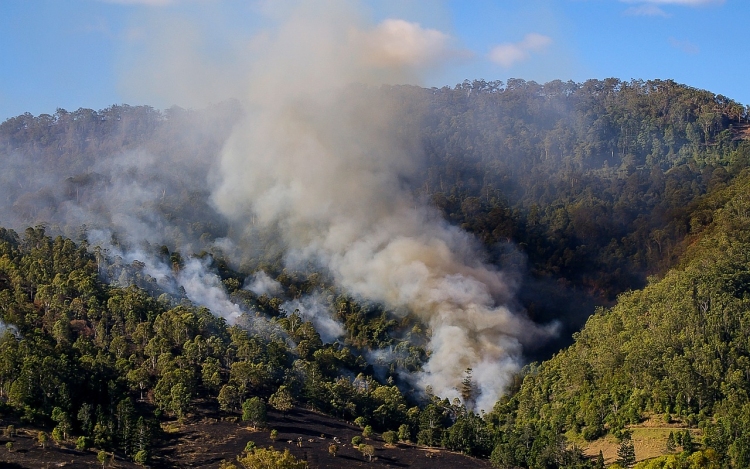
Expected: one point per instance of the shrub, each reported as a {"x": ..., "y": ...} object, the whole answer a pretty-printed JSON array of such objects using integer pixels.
[
  {"x": 141, "y": 457},
  {"x": 83, "y": 443},
  {"x": 390, "y": 437}
]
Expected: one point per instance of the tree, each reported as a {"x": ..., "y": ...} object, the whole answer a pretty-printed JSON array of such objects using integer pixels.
[
  {"x": 368, "y": 451},
  {"x": 687, "y": 442},
  {"x": 101, "y": 456},
  {"x": 229, "y": 398},
  {"x": 254, "y": 412},
  {"x": 84, "y": 416},
  {"x": 626, "y": 452},
  {"x": 390, "y": 437},
  {"x": 63, "y": 423},
  {"x": 367, "y": 431},
  {"x": 281, "y": 400},
  {"x": 404, "y": 433},
  {"x": 180, "y": 400},
  {"x": 42, "y": 438},
  {"x": 83, "y": 443},
  {"x": 468, "y": 389},
  {"x": 670, "y": 442},
  {"x": 139, "y": 379},
  {"x": 274, "y": 434}
]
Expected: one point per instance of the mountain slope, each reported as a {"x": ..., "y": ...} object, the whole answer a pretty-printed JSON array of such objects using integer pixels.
[{"x": 678, "y": 347}]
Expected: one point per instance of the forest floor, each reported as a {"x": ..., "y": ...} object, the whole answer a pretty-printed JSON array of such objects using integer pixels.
[{"x": 204, "y": 441}]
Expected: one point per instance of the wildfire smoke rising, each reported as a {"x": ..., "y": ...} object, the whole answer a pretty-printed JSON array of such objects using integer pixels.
[{"x": 323, "y": 162}]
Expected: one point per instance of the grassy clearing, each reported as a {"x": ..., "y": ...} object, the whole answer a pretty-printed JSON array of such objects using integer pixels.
[{"x": 649, "y": 440}]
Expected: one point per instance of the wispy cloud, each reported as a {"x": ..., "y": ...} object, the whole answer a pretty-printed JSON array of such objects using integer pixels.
[
  {"x": 685, "y": 46},
  {"x": 653, "y": 7},
  {"x": 156, "y": 3},
  {"x": 646, "y": 10},
  {"x": 510, "y": 53},
  {"x": 690, "y": 3}
]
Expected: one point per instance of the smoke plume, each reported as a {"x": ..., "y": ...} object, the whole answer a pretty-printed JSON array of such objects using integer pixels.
[{"x": 324, "y": 162}]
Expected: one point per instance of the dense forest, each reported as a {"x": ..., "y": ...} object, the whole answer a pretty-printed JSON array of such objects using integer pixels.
[{"x": 620, "y": 208}]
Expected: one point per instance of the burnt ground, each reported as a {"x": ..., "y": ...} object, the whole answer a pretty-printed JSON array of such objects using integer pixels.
[
  {"x": 204, "y": 441},
  {"x": 27, "y": 453}
]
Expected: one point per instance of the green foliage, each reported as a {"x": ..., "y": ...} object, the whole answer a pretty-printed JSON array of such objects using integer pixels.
[
  {"x": 676, "y": 346},
  {"x": 390, "y": 437},
  {"x": 281, "y": 400},
  {"x": 626, "y": 452},
  {"x": 141, "y": 457},
  {"x": 670, "y": 442},
  {"x": 404, "y": 433},
  {"x": 368, "y": 451},
  {"x": 356, "y": 440},
  {"x": 271, "y": 458},
  {"x": 254, "y": 412},
  {"x": 101, "y": 456},
  {"x": 42, "y": 438},
  {"x": 83, "y": 443},
  {"x": 367, "y": 431},
  {"x": 229, "y": 398}
]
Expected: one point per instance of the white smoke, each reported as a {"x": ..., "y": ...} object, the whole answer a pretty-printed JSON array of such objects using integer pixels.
[
  {"x": 195, "y": 279},
  {"x": 323, "y": 162},
  {"x": 205, "y": 288},
  {"x": 261, "y": 283},
  {"x": 316, "y": 309},
  {"x": 8, "y": 328}
]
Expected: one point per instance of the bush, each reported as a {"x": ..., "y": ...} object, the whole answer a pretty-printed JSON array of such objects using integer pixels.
[
  {"x": 367, "y": 432},
  {"x": 141, "y": 457},
  {"x": 360, "y": 422},
  {"x": 357, "y": 440},
  {"x": 57, "y": 435},
  {"x": 83, "y": 443},
  {"x": 390, "y": 437}
]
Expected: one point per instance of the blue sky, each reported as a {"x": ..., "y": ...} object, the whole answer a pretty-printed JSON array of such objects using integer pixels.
[{"x": 95, "y": 53}]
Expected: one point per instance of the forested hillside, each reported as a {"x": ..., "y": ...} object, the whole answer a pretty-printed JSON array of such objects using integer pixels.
[
  {"x": 677, "y": 349},
  {"x": 146, "y": 304}
]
